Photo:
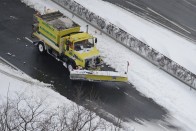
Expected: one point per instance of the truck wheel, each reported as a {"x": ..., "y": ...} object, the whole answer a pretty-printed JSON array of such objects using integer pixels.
[
  {"x": 41, "y": 47},
  {"x": 70, "y": 67}
]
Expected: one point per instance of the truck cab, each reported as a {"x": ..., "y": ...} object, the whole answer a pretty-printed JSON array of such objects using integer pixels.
[{"x": 81, "y": 48}]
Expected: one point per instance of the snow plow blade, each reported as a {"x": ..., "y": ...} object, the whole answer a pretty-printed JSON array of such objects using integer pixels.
[{"x": 98, "y": 76}]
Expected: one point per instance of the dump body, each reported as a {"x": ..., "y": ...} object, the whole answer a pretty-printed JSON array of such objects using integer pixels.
[{"x": 55, "y": 25}]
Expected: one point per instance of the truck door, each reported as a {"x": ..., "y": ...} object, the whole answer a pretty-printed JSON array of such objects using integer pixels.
[
  {"x": 69, "y": 48},
  {"x": 68, "y": 44}
]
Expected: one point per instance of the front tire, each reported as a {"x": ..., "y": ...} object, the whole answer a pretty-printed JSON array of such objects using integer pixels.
[
  {"x": 70, "y": 68},
  {"x": 41, "y": 47}
]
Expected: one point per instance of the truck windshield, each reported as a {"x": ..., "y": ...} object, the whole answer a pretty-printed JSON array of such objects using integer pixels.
[{"x": 84, "y": 44}]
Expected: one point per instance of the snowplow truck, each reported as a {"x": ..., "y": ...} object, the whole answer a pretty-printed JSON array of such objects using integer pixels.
[{"x": 61, "y": 37}]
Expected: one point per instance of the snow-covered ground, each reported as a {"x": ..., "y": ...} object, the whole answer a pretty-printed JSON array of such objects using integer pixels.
[{"x": 148, "y": 79}]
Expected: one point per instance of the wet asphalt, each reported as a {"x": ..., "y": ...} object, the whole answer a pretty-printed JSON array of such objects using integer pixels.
[{"x": 119, "y": 99}]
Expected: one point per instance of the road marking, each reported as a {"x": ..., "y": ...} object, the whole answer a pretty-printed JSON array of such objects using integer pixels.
[
  {"x": 168, "y": 20},
  {"x": 28, "y": 39},
  {"x": 163, "y": 127},
  {"x": 190, "y": 28},
  {"x": 126, "y": 94},
  {"x": 134, "y": 5},
  {"x": 175, "y": 31},
  {"x": 189, "y": 3},
  {"x": 8, "y": 63},
  {"x": 13, "y": 17},
  {"x": 117, "y": 87},
  {"x": 132, "y": 97},
  {"x": 158, "y": 23}
]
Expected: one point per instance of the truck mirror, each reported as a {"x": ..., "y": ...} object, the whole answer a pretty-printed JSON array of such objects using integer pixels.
[
  {"x": 86, "y": 28},
  {"x": 95, "y": 40}
]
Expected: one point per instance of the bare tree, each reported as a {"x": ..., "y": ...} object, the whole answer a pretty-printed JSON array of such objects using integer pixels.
[
  {"x": 31, "y": 114},
  {"x": 20, "y": 114}
]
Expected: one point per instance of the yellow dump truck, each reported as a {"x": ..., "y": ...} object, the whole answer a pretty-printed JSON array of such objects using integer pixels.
[{"x": 61, "y": 37}]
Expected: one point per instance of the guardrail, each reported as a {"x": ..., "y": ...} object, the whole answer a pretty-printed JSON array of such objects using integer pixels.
[{"x": 130, "y": 42}]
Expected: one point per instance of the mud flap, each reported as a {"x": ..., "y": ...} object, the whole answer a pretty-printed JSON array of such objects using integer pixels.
[{"x": 98, "y": 76}]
